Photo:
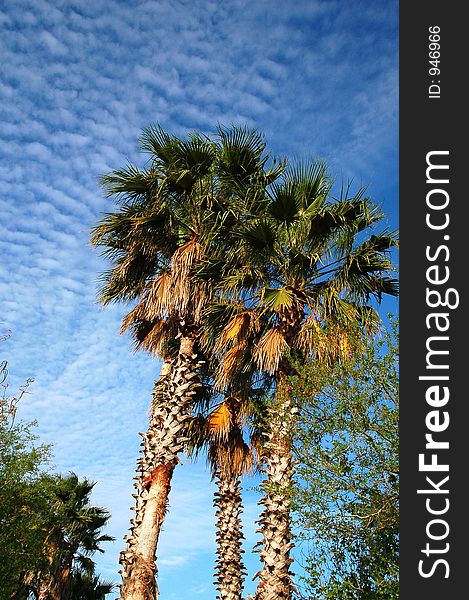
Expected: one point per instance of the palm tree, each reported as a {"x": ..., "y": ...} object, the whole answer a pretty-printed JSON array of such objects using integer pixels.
[
  {"x": 305, "y": 270},
  {"x": 74, "y": 534},
  {"x": 174, "y": 213},
  {"x": 220, "y": 433}
]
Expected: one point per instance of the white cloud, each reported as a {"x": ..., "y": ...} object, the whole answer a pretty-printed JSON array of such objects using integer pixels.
[{"x": 53, "y": 45}]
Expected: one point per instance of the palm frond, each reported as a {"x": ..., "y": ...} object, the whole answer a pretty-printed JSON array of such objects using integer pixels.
[
  {"x": 277, "y": 299},
  {"x": 198, "y": 435},
  {"x": 237, "y": 330},
  {"x": 309, "y": 182},
  {"x": 310, "y": 336},
  {"x": 220, "y": 421},
  {"x": 138, "y": 313},
  {"x": 184, "y": 294},
  {"x": 366, "y": 270},
  {"x": 337, "y": 345},
  {"x": 216, "y": 317},
  {"x": 125, "y": 282},
  {"x": 286, "y": 203},
  {"x": 148, "y": 332},
  {"x": 155, "y": 338},
  {"x": 368, "y": 320},
  {"x": 258, "y": 235},
  {"x": 156, "y": 141},
  {"x": 129, "y": 183},
  {"x": 234, "y": 457},
  {"x": 270, "y": 350},
  {"x": 240, "y": 153},
  {"x": 158, "y": 297},
  {"x": 196, "y": 155},
  {"x": 230, "y": 365}
]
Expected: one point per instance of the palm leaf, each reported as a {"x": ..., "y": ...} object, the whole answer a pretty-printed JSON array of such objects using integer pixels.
[
  {"x": 220, "y": 421},
  {"x": 157, "y": 142},
  {"x": 153, "y": 337},
  {"x": 136, "y": 314},
  {"x": 277, "y": 299},
  {"x": 230, "y": 365},
  {"x": 197, "y": 155},
  {"x": 311, "y": 335},
  {"x": 158, "y": 297},
  {"x": 259, "y": 235},
  {"x": 286, "y": 203},
  {"x": 216, "y": 317},
  {"x": 237, "y": 330},
  {"x": 129, "y": 183},
  {"x": 184, "y": 295},
  {"x": 270, "y": 350},
  {"x": 241, "y": 153}
]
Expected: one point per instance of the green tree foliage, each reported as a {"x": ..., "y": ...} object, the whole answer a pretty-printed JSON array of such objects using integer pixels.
[
  {"x": 89, "y": 587},
  {"x": 73, "y": 533},
  {"x": 48, "y": 529},
  {"x": 346, "y": 495},
  {"x": 23, "y": 497}
]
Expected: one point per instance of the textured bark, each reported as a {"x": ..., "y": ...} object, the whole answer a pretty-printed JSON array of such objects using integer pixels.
[
  {"x": 55, "y": 583},
  {"x": 229, "y": 570},
  {"x": 164, "y": 440},
  {"x": 275, "y": 577},
  {"x": 47, "y": 589}
]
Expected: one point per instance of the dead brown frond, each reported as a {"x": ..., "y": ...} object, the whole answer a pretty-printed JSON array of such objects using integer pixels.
[
  {"x": 136, "y": 314},
  {"x": 237, "y": 330},
  {"x": 235, "y": 460},
  {"x": 232, "y": 456},
  {"x": 310, "y": 336},
  {"x": 155, "y": 338},
  {"x": 270, "y": 350},
  {"x": 150, "y": 335},
  {"x": 230, "y": 364},
  {"x": 220, "y": 421},
  {"x": 185, "y": 295},
  {"x": 328, "y": 344},
  {"x": 158, "y": 297},
  {"x": 182, "y": 262},
  {"x": 153, "y": 303}
]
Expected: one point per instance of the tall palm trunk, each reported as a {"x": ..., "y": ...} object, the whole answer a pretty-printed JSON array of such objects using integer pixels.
[
  {"x": 275, "y": 577},
  {"x": 160, "y": 448},
  {"x": 230, "y": 570}
]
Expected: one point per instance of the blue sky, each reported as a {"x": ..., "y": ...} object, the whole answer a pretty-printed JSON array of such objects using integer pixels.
[{"x": 79, "y": 81}]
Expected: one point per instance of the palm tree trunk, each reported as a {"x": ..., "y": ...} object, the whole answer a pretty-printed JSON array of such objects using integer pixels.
[
  {"x": 160, "y": 448},
  {"x": 46, "y": 589},
  {"x": 275, "y": 577},
  {"x": 54, "y": 583},
  {"x": 229, "y": 571}
]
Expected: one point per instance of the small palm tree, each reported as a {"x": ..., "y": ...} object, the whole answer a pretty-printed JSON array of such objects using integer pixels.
[
  {"x": 74, "y": 534},
  {"x": 230, "y": 457}
]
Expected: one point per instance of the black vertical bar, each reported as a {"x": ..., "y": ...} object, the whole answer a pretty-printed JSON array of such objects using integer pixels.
[{"x": 434, "y": 236}]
